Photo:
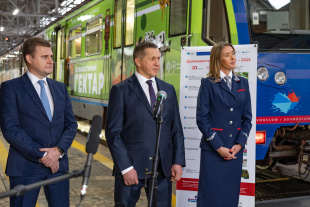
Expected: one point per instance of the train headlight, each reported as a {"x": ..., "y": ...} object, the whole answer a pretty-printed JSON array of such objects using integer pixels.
[
  {"x": 280, "y": 78},
  {"x": 260, "y": 137},
  {"x": 262, "y": 74}
]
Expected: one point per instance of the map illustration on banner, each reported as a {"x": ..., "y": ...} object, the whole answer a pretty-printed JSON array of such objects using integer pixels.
[{"x": 194, "y": 67}]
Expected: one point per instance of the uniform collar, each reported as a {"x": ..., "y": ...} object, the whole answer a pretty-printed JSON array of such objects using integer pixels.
[{"x": 223, "y": 75}]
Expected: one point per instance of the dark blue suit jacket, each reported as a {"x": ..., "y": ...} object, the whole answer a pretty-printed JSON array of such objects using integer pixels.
[
  {"x": 26, "y": 127},
  {"x": 224, "y": 116},
  {"x": 131, "y": 129}
]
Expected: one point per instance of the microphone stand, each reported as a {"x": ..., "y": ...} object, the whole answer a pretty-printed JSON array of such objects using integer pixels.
[
  {"x": 153, "y": 188},
  {"x": 21, "y": 189}
]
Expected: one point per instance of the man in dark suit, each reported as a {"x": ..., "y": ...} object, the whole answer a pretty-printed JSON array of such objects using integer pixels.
[
  {"x": 131, "y": 131},
  {"x": 38, "y": 122}
]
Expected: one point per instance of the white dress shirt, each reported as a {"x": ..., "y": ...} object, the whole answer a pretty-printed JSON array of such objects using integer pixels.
[
  {"x": 223, "y": 75},
  {"x": 145, "y": 86},
  {"x": 34, "y": 80},
  {"x": 142, "y": 80}
]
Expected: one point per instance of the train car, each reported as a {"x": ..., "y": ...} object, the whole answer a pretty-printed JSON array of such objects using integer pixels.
[
  {"x": 10, "y": 65},
  {"x": 93, "y": 50}
]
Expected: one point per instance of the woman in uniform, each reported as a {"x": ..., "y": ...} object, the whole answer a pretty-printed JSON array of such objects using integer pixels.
[{"x": 224, "y": 118}]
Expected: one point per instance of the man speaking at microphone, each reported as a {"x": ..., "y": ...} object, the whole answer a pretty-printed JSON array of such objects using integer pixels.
[{"x": 131, "y": 131}]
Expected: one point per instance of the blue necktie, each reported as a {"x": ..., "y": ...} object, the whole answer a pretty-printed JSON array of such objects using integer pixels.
[
  {"x": 44, "y": 100},
  {"x": 152, "y": 93}
]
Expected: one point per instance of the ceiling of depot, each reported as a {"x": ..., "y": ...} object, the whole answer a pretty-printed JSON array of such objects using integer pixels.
[{"x": 30, "y": 18}]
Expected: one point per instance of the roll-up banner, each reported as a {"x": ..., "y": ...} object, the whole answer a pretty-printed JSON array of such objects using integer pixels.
[{"x": 195, "y": 66}]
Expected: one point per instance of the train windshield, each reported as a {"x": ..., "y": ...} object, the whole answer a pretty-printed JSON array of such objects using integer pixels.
[{"x": 280, "y": 24}]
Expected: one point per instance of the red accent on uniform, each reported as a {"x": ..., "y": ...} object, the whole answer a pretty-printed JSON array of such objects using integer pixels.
[
  {"x": 238, "y": 128},
  {"x": 241, "y": 90},
  {"x": 216, "y": 129}
]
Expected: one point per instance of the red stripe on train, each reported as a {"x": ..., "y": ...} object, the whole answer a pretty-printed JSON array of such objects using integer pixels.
[{"x": 282, "y": 119}]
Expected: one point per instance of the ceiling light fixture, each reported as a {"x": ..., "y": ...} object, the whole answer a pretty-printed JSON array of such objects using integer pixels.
[
  {"x": 276, "y": 4},
  {"x": 15, "y": 11}
]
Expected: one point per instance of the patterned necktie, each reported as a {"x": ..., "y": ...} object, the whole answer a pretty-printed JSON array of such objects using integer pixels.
[
  {"x": 152, "y": 93},
  {"x": 228, "y": 81},
  {"x": 44, "y": 100}
]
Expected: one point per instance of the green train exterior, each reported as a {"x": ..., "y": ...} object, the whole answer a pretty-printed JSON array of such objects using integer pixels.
[
  {"x": 93, "y": 50},
  {"x": 93, "y": 47}
]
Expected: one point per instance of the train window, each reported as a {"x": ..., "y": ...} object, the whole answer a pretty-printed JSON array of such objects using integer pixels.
[
  {"x": 94, "y": 36},
  {"x": 118, "y": 24},
  {"x": 280, "y": 25},
  {"x": 178, "y": 10},
  {"x": 214, "y": 23},
  {"x": 75, "y": 38},
  {"x": 130, "y": 22},
  {"x": 62, "y": 53}
]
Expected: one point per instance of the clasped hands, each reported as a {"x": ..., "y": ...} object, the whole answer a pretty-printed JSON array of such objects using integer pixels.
[
  {"x": 51, "y": 159},
  {"x": 229, "y": 154}
]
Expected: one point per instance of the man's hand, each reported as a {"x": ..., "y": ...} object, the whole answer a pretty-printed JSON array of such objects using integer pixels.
[
  {"x": 55, "y": 166},
  {"x": 177, "y": 172},
  {"x": 52, "y": 155},
  {"x": 131, "y": 177}
]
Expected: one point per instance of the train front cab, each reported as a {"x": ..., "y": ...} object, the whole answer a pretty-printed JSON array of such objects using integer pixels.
[{"x": 281, "y": 29}]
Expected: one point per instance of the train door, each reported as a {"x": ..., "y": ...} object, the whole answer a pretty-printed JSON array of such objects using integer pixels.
[
  {"x": 122, "y": 63},
  {"x": 177, "y": 22},
  {"x": 58, "y": 50}
]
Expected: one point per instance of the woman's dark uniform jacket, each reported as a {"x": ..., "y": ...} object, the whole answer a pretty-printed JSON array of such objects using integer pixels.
[
  {"x": 224, "y": 118},
  {"x": 219, "y": 111}
]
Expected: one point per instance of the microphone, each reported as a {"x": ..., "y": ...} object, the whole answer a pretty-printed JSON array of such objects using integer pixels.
[
  {"x": 161, "y": 96},
  {"x": 91, "y": 148}
]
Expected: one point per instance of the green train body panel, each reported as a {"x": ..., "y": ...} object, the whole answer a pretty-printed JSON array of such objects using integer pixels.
[{"x": 92, "y": 76}]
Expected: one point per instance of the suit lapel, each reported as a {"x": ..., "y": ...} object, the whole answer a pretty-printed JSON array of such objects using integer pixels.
[
  {"x": 160, "y": 84},
  {"x": 235, "y": 85},
  {"x": 33, "y": 93},
  {"x": 137, "y": 89},
  {"x": 225, "y": 87}
]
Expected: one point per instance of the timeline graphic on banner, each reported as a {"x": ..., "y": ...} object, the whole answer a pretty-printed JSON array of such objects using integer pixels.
[{"x": 194, "y": 67}]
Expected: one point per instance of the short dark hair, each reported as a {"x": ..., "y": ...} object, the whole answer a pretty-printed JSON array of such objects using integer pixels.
[
  {"x": 139, "y": 51},
  {"x": 30, "y": 45}
]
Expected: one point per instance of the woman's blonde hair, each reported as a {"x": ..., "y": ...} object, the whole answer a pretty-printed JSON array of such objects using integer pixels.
[{"x": 215, "y": 59}]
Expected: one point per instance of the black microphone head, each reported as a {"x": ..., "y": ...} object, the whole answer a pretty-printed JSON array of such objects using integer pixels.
[
  {"x": 93, "y": 135},
  {"x": 162, "y": 94}
]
